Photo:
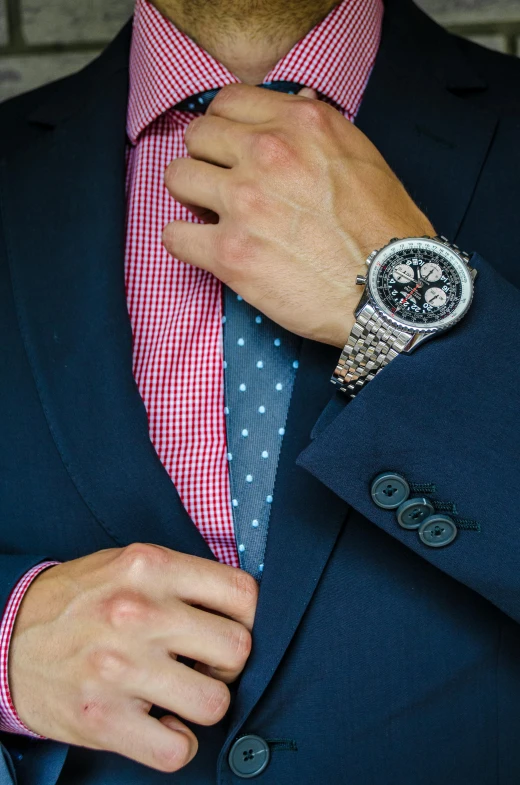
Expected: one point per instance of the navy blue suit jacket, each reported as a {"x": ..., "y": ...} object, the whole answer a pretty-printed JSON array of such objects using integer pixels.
[{"x": 383, "y": 661}]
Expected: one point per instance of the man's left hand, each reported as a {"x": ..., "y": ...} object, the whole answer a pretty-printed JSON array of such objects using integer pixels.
[{"x": 295, "y": 197}]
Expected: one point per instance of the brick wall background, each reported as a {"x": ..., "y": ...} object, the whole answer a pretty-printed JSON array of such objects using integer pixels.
[{"x": 41, "y": 40}]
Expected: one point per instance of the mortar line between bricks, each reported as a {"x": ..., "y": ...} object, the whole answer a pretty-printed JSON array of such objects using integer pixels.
[
  {"x": 20, "y": 48},
  {"x": 14, "y": 23},
  {"x": 507, "y": 29},
  {"x": 17, "y": 45}
]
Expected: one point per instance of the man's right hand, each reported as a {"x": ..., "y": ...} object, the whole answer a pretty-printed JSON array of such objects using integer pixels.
[{"x": 96, "y": 641}]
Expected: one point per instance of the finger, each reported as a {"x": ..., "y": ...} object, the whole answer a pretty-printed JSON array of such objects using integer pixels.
[
  {"x": 247, "y": 104},
  {"x": 221, "y": 643},
  {"x": 182, "y": 690},
  {"x": 192, "y": 243},
  {"x": 213, "y": 585},
  {"x": 167, "y": 745},
  {"x": 197, "y": 183},
  {"x": 308, "y": 92},
  {"x": 216, "y": 140}
]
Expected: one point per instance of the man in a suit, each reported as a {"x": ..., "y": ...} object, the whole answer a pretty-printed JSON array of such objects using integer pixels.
[{"x": 216, "y": 565}]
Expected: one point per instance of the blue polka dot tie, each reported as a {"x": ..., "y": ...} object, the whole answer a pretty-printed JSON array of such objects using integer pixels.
[
  {"x": 201, "y": 101},
  {"x": 260, "y": 363}
]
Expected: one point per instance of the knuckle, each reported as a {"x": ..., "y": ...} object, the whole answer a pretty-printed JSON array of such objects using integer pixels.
[
  {"x": 240, "y": 644},
  {"x": 192, "y": 129},
  {"x": 139, "y": 560},
  {"x": 311, "y": 113},
  {"x": 224, "y": 95},
  {"x": 126, "y": 608},
  {"x": 248, "y": 199},
  {"x": 172, "y": 171},
  {"x": 234, "y": 249},
  {"x": 245, "y": 589},
  {"x": 271, "y": 150},
  {"x": 109, "y": 665},
  {"x": 215, "y": 701}
]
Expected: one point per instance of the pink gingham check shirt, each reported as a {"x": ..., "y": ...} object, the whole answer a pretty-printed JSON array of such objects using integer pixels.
[{"x": 175, "y": 309}]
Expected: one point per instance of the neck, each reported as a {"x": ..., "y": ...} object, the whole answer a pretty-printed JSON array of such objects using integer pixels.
[{"x": 247, "y": 36}]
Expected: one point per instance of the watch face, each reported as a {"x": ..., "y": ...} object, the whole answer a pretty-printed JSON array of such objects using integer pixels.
[{"x": 420, "y": 283}]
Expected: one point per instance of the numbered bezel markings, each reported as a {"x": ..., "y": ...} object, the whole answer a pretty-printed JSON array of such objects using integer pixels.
[{"x": 434, "y": 252}]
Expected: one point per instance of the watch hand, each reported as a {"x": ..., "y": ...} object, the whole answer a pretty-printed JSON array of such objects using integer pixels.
[{"x": 418, "y": 286}]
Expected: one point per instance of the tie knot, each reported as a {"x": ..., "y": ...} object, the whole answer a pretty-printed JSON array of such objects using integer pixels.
[{"x": 200, "y": 101}]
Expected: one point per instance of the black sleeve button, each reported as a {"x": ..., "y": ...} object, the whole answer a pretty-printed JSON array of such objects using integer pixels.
[
  {"x": 411, "y": 513},
  {"x": 437, "y": 530},
  {"x": 389, "y": 490},
  {"x": 249, "y": 756}
]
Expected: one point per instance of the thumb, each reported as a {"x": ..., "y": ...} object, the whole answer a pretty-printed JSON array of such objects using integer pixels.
[{"x": 307, "y": 92}]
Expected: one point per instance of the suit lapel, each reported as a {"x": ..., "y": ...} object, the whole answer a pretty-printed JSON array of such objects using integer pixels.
[
  {"x": 64, "y": 205},
  {"x": 436, "y": 143},
  {"x": 413, "y": 112}
]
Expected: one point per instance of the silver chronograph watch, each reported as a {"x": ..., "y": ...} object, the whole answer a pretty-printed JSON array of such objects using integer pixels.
[{"x": 415, "y": 289}]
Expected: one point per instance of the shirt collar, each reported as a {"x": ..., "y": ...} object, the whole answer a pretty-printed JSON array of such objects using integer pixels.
[{"x": 166, "y": 66}]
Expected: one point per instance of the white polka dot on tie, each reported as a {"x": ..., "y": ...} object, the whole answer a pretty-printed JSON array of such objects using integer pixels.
[
  {"x": 239, "y": 298},
  {"x": 296, "y": 364},
  {"x": 265, "y": 454},
  {"x": 235, "y": 502},
  {"x": 229, "y": 456},
  {"x": 254, "y": 524},
  {"x": 224, "y": 319},
  {"x": 259, "y": 364},
  {"x": 224, "y": 365},
  {"x": 261, "y": 409},
  {"x": 277, "y": 342},
  {"x": 249, "y": 478},
  {"x": 281, "y": 431},
  {"x": 269, "y": 499},
  {"x": 226, "y": 409},
  {"x": 279, "y": 386},
  {"x": 245, "y": 432},
  {"x": 242, "y": 388},
  {"x": 241, "y": 342},
  {"x": 258, "y": 320},
  {"x": 241, "y": 548},
  {"x": 261, "y": 567}
]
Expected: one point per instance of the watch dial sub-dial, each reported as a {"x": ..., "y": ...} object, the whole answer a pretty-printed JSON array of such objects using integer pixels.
[
  {"x": 410, "y": 296},
  {"x": 403, "y": 273},
  {"x": 431, "y": 272},
  {"x": 435, "y": 297}
]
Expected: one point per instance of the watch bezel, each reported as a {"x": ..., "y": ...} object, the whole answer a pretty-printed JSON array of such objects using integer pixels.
[{"x": 420, "y": 243}]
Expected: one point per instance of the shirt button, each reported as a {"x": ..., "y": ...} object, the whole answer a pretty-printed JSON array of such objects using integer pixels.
[
  {"x": 437, "y": 530},
  {"x": 411, "y": 513},
  {"x": 249, "y": 756},
  {"x": 389, "y": 490}
]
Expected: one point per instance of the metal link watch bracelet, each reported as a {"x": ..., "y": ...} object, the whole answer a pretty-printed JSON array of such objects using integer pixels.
[{"x": 415, "y": 288}]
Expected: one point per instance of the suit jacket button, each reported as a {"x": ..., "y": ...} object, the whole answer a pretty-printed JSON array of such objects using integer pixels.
[
  {"x": 437, "y": 530},
  {"x": 389, "y": 490},
  {"x": 411, "y": 513},
  {"x": 249, "y": 756}
]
